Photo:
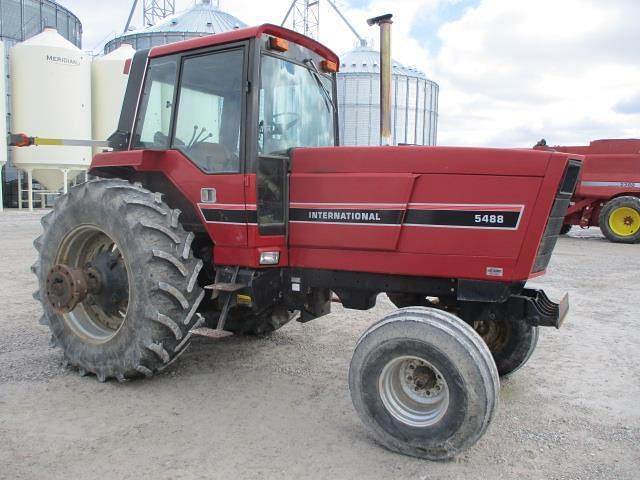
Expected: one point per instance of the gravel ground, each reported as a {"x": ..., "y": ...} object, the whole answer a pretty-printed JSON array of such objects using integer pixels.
[{"x": 279, "y": 407}]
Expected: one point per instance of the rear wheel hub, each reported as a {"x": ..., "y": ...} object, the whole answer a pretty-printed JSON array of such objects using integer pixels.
[
  {"x": 66, "y": 287},
  {"x": 89, "y": 284}
]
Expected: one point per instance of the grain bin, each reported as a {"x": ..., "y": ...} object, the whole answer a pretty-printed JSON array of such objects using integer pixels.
[
  {"x": 414, "y": 101},
  {"x": 204, "y": 17}
]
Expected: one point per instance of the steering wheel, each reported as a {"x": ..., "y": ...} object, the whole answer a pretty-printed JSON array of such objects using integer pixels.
[{"x": 295, "y": 117}]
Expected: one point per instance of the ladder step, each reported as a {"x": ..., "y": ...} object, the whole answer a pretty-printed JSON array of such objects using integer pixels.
[
  {"x": 210, "y": 332},
  {"x": 225, "y": 287}
]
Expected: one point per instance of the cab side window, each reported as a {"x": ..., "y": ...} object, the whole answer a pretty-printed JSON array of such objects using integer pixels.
[
  {"x": 156, "y": 106},
  {"x": 208, "y": 122}
]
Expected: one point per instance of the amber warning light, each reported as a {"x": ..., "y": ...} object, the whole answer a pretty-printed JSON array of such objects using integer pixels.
[
  {"x": 329, "y": 66},
  {"x": 278, "y": 44}
]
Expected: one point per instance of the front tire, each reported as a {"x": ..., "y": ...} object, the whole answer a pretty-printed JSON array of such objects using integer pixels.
[
  {"x": 424, "y": 383},
  {"x": 511, "y": 342},
  {"x": 143, "y": 255},
  {"x": 620, "y": 220},
  {"x": 242, "y": 321},
  {"x": 566, "y": 228}
]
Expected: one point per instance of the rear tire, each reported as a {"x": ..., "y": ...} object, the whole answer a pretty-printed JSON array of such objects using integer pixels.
[
  {"x": 424, "y": 383},
  {"x": 620, "y": 220},
  {"x": 162, "y": 287},
  {"x": 511, "y": 343}
]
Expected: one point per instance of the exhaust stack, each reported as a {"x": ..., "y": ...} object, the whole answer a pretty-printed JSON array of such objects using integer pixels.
[{"x": 384, "y": 21}]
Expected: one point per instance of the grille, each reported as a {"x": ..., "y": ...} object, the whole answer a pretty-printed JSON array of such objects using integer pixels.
[{"x": 556, "y": 218}]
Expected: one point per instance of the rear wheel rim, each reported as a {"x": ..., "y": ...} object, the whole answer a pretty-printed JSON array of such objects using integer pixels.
[
  {"x": 90, "y": 320},
  {"x": 413, "y": 391},
  {"x": 624, "y": 221}
]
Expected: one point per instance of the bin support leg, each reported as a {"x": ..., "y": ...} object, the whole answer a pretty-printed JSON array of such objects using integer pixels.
[
  {"x": 1, "y": 197},
  {"x": 30, "y": 189},
  {"x": 65, "y": 179},
  {"x": 19, "y": 189}
]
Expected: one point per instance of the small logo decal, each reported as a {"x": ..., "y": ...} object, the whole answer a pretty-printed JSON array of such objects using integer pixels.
[{"x": 495, "y": 272}]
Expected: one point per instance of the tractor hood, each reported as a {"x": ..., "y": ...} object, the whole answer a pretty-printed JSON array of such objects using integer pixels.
[{"x": 418, "y": 159}]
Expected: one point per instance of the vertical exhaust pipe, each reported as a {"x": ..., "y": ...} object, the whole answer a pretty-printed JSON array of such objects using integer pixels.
[{"x": 384, "y": 21}]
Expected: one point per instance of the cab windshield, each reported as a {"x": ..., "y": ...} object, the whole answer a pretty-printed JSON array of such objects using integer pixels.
[{"x": 296, "y": 107}]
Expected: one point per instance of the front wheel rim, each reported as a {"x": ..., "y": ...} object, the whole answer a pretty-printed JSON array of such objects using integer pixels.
[
  {"x": 624, "y": 221},
  {"x": 413, "y": 391}
]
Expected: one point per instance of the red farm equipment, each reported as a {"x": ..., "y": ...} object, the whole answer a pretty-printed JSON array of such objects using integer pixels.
[
  {"x": 227, "y": 207},
  {"x": 608, "y": 191}
]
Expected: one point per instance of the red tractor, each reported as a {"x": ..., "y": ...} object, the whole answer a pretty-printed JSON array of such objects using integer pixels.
[
  {"x": 226, "y": 207},
  {"x": 608, "y": 191}
]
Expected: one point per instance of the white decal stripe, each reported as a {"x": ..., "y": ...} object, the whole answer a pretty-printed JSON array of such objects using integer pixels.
[
  {"x": 227, "y": 206},
  {"x": 620, "y": 184},
  {"x": 424, "y": 225},
  {"x": 467, "y": 206},
  {"x": 362, "y": 206},
  {"x": 361, "y": 224}
]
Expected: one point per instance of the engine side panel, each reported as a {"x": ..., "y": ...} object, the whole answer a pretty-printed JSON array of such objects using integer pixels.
[{"x": 459, "y": 213}]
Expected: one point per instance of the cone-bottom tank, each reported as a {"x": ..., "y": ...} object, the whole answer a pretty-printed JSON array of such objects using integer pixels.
[
  {"x": 51, "y": 97},
  {"x": 108, "y": 84}
]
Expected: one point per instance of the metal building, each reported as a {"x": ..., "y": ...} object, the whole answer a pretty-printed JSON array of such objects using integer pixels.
[
  {"x": 414, "y": 101},
  {"x": 20, "y": 20},
  {"x": 203, "y": 18}
]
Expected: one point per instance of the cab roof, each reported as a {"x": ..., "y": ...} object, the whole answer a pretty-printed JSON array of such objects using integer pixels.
[{"x": 244, "y": 34}]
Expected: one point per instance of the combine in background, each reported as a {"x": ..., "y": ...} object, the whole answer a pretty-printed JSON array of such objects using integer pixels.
[{"x": 608, "y": 192}]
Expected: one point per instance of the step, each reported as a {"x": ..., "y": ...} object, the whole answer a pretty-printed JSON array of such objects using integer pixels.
[
  {"x": 225, "y": 287},
  {"x": 210, "y": 332}
]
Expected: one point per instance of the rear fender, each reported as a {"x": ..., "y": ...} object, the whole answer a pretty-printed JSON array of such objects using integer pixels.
[{"x": 142, "y": 166}]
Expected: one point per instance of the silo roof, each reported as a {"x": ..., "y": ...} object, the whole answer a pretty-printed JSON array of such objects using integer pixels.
[
  {"x": 203, "y": 17},
  {"x": 367, "y": 60}
]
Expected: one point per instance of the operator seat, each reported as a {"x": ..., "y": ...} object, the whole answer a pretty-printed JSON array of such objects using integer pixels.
[{"x": 213, "y": 157}]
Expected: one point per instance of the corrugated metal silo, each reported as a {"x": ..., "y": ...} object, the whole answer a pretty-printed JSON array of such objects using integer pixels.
[
  {"x": 414, "y": 118},
  {"x": 203, "y": 18},
  {"x": 20, "y": 20},
  {"x": 3, "y": 123}
]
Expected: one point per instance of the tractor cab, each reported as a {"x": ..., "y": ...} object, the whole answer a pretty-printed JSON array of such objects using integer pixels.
[
  {"x": 219, "y": 116},
  {"x": 225, "y": 104},
  {"x": 225, "y": 99}
]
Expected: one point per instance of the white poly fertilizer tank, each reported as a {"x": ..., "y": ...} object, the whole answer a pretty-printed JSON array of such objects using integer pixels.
[
  {"x": 108, "y": 84},
  {"x": 3, "y": 121},
  {"x": 51, "y": 98}
]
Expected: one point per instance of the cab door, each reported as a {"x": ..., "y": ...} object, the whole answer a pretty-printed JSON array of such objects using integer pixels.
[{"x": 193, "y": 108}]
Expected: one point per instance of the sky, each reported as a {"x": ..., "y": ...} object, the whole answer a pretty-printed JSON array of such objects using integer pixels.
[{"x": 510, "y": 71}]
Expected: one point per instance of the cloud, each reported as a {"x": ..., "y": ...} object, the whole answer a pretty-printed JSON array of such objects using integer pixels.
[
  {"x": 629, "y": 105},
  {"x": 533, "y": 69},
  {"x": 509, "y": 71}
]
